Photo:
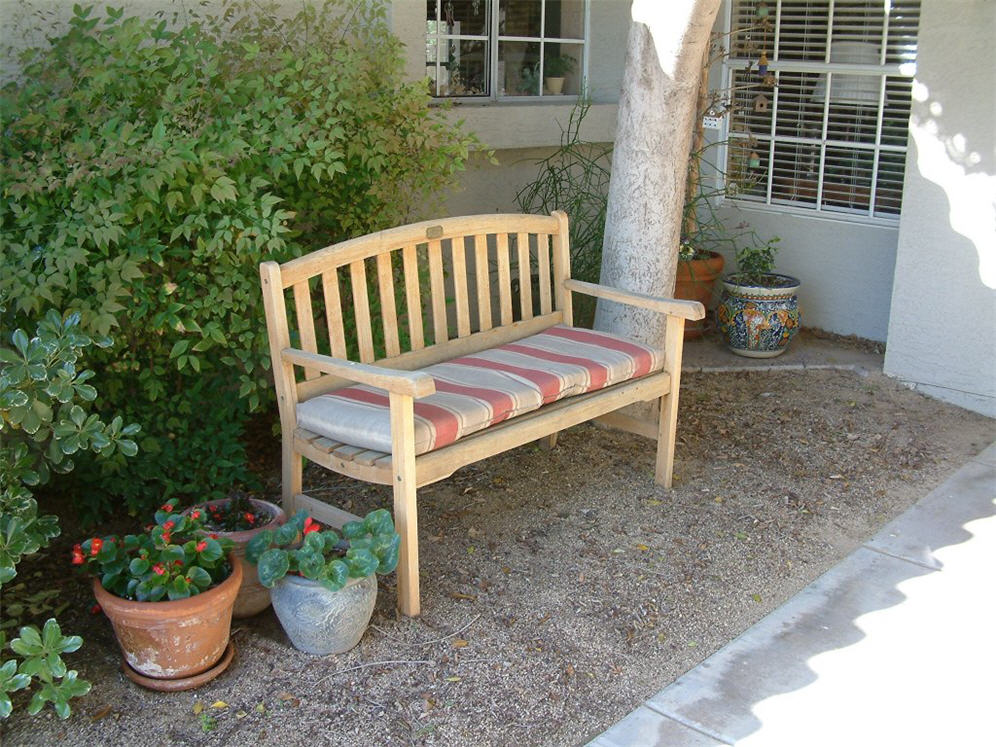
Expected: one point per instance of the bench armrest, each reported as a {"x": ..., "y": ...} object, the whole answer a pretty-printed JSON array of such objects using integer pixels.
[
  {"x": 413, "y": 383},
  {"x": 672, "y": 306}
]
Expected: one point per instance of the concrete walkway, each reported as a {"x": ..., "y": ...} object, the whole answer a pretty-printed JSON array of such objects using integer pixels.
[{"x": 893, "y": 646}]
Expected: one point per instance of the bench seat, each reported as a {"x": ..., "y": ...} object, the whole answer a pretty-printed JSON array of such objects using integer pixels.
[{"x": 476, "y": 391}]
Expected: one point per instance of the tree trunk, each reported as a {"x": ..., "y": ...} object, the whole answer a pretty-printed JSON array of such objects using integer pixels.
[{"x": 650, "y": 160}]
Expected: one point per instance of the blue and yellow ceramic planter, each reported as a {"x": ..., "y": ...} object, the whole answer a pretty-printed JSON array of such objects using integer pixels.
[{"x": 759, "y": 320}]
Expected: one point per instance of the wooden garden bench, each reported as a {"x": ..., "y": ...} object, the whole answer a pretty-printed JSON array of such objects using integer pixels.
[{"x": 385, "y": 399}]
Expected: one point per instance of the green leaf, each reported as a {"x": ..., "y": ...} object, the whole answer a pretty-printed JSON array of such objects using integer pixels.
[
  {"x": 273, "y": 566},
  {"x": 336, "y": 575}
]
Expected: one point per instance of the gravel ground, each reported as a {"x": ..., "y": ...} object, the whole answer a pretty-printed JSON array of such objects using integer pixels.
[{"x": 559, "y": 588}]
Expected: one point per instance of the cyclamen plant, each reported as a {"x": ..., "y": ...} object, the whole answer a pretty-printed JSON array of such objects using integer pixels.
[
  {"x": 304, "y": 547},
  {"x": 175, "y": 558}
]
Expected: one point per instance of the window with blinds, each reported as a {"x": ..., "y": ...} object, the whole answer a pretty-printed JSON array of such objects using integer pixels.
[{"x": 819, "y": 103}]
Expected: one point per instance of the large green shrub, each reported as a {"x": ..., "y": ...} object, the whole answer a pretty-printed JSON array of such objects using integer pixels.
[
  {"x": 149, "y": 168},
  {"x": 44, "y": 426}
]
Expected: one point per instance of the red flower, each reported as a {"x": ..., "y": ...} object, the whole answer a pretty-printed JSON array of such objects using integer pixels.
[
  {"x": 168, "y": 526},
  {"x": 78, "y": 558},
  {"x": 310, "y": 525},
  {"x": 159, "y": 569},
  {"x": 166, "y": 507},
  {"x": 195, "y": 514},
  {"x": 166, "y": 537},
  {"x": 213, "y": 535},
  {"x": 95, "y": 610},
  {"x": 177, "y": 562},
  {"x": 95, "y": 544},
  {"x": 249, "y": 517},
  {"x": 201, "y": 545}
]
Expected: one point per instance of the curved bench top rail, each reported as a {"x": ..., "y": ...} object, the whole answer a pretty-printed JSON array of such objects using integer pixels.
[{"x": 391, "y": 239}]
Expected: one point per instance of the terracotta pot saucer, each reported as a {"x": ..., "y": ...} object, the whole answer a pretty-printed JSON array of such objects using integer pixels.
[{"x": 182, "y": 683}]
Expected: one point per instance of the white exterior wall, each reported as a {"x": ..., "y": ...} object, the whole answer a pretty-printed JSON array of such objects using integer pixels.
[
  {"x": 942, "y": 334},
  {"x": 846, "y": 268}
]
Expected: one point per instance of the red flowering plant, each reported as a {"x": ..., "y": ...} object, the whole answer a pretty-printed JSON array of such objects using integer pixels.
[
  {"x": 237, "y": 514},
  {"x": 174, "y": 558}
]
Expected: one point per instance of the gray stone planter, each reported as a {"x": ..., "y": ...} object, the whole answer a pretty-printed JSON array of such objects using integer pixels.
[{"x": 319, "y": 621}]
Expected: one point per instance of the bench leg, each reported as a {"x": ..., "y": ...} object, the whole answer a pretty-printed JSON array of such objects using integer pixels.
[
  {"x": 549, "y": 442},
  {"x": 405, "y": 506},
  {"x": 673, "y": 341},
  {"x": 292, "y": 469}
]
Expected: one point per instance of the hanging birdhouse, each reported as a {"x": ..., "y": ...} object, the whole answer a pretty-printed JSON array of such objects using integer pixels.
[
  {"x": 762, "y": 64},
  {"x": 762, "y": 10},
  {"x": 761, "y": 103}
]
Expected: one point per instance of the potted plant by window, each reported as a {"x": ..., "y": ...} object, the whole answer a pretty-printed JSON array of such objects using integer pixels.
[
  {"x": 695, "y": 276},
  {"x": 168, "y": 593},
  {"x": 239, "y": 518},
  {"x": 759, "y": 309},
  {"x": 322, "y": 583},
  {"x": 555, "y": 68}
]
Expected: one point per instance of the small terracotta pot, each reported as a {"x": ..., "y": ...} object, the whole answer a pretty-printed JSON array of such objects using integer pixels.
[
  {"x": 253, "y": 596},
  {"x": 694, "y": 281},
  {"x": 175, "y": 639}
]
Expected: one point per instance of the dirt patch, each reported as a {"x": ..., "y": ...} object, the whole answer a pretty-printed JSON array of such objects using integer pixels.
[{"x": 559, "y": 588}]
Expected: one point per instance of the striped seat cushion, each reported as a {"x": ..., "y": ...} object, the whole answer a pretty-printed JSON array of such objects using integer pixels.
[{"x": 475, "y": 391}]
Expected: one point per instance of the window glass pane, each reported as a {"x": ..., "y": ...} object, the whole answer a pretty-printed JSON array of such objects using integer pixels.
[
  {"x": 565, "y": 19},
  {"x": 795, "y": 174},
  {"x": 847, "y": 177},
  {"x": 896, "y": 117},
  {"x": 889, "y": 187},
  {"x": 561, "y": 67},
  {"x": 802, "y": 33},
  {"x": 518, "y": 68},
  {"x": 520, "y": 17},
  {"x": 464, "y": 71},
  {"x": 467, "y": 17}
]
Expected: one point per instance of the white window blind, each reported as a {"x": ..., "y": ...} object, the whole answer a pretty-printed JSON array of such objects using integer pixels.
[
  {"x": 824, "y": 128},
  {"x": 498, "y": 49}
]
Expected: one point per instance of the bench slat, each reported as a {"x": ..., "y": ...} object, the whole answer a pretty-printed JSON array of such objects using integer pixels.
[
  {"x": 333, "y": 313},
  {"x": 388, "y": 310},
  {"x": 361, "y": 305},
  {"x": 504, "y": 280},
  {"x": 525, "y": 276},
  {"x": 413, "y": 297},
  {"x": 306, "y": 323},
  {"x": 543, "y": 263},
  {"x": 458, "y": 257},
  {"x": 438, "y": 291},
  {"x": 483, "y": 272}
]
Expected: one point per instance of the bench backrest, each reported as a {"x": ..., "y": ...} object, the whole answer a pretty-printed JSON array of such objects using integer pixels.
[{"x": 419, "y": 294}]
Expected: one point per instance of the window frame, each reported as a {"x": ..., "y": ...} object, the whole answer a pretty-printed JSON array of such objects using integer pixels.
[
  {"x": 881, "y": 71},
  {"x": 493, "y": 40}
]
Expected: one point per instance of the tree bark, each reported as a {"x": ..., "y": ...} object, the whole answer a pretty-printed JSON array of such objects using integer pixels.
[{"x": 650, "y": 160}]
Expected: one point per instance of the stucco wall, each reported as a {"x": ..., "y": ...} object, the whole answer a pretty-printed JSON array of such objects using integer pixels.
[
  {"x": 846, "y": 268},
  {"x": 942, "y": 334}
]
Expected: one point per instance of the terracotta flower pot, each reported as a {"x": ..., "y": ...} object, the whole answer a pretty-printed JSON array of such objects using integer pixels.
[
  {"x": 694, "y": 281},
  {"x": 253, "y": 596},
  {"x": 174, "y": 640}
]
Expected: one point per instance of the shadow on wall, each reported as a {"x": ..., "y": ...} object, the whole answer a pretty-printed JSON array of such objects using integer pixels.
[{"x": 960, "y": 159}]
